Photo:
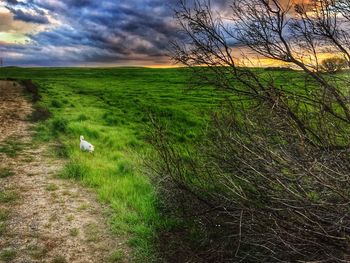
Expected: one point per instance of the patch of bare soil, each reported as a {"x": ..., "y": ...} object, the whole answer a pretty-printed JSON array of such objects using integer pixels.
[{"x": 43, "y": 218}]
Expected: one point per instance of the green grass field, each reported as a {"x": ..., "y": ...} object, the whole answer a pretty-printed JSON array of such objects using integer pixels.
[{"x": 110, "y": 107}]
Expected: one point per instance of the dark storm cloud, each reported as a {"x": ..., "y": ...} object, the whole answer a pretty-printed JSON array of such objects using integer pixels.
[
  {"x": 107, "y": 31},
  {"x": 11, "y": 2},
  {"x": 26, "y": 12},
  {"x": 36, "y": 18}
]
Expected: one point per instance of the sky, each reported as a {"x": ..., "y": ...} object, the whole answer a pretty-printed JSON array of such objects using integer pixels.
[
  {"x": 86, "y": 32},
  {"x": 90, "y": 32}
]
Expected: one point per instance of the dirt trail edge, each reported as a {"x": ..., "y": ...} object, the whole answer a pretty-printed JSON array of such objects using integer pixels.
[{"x": 43, "y": 218}]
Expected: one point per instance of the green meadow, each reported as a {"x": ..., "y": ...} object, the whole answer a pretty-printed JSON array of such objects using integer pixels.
[{"x": 111, "y": 108}]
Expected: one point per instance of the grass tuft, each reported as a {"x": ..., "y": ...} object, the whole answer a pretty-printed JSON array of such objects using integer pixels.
[
  {"x": 116, "y": 257},
  {"x": 74, "y": 232},
  {"x": 59, "y": 125},
  {"x": 8, "y": 196},
  {"x": 82, "y": 117},
  {"x": 75, "y": 170},
  {"x": 37, "y": 252},
  {"x": 92, "y": 233},
  {"x": 51, "y": 187},
  {"x": 59, "y": 259},
  {"x": 61, "y": 150},
  {"x": 3, "y": 215},
  {"x": 7, "y": 255},
  {"x": 56, "y": 103},
  {"x": 2, "y": 228},
  {"x": 11, "y": 148},
  {"x": 6, "y": 172}
]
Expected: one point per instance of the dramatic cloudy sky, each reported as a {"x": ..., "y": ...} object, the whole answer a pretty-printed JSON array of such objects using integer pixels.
[{"x": 86, "y": 32}]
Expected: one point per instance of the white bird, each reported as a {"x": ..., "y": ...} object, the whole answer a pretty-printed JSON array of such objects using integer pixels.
[{"x": 86, "y": 146}]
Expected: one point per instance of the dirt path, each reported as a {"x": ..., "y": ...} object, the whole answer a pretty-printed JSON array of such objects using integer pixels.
[{"x": 43, "y": 218}]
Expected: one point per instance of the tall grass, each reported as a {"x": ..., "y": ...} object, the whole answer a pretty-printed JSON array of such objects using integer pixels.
[{"x": 110, "y": 108}]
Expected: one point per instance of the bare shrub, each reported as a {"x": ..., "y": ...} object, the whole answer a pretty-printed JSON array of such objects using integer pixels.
[
  {"x": 259, "y": 193},
  {"x": 334, "y": 64},
  {"x": 269, "y": 182}
]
